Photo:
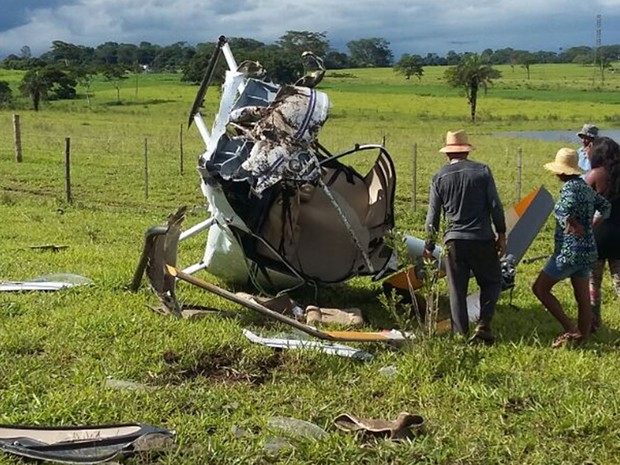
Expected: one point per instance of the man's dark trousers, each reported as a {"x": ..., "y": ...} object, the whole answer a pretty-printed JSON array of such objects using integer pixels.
[{"x": 479, "y": 257}]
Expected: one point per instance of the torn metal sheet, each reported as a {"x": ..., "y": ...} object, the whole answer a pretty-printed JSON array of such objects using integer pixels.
[
  {"x": 52, "y": 282},
  {"x": 294, "y": 342},
  {"x": 83, "y": 444}
]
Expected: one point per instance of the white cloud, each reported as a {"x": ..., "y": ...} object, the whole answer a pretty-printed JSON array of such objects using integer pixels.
[{"x": 412, "y": 26}]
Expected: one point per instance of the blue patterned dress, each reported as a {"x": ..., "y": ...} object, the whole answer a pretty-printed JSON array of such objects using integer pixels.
[{"x": 578, "y": 201}]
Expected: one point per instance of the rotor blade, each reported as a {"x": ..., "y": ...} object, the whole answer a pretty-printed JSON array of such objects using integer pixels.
[
  {"x": 206, "y": 80},
  {"x": 346, "y": 336}
]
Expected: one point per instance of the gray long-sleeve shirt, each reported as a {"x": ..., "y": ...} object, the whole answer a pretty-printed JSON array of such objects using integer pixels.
[{"x": 466, "y": 192}]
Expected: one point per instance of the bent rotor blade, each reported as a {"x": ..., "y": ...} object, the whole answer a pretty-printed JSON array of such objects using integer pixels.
[
  {"x": 346, "y": 336},
  {"x": 206, "y": 80}
]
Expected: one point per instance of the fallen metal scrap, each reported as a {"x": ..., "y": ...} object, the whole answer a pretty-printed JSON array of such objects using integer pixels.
[
  {"x": 83, "y": 444},
  {"x": 295, "y": 342},
  {"x": 52, "y": 282}
]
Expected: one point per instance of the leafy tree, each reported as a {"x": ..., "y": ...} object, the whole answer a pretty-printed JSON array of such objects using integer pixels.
[
  {"x": 61, "y": 83},
  {"x": 70, "y": 54},
  {"x": 453, "y": 58},
  {"x": 15, "y": 62},
  {"x": 243, "y": 45},
  {"x": 502, "y": 56},
  {"x": 85, "y": 75},
  {"x": 25, "y": 52},
  {"x": 487, "y": 55},
  {"x": 174, "y": 57},
  {"x": 116, "y": 75},
  {"x": 368, "y": 53},
  {"x": 297, "y": 42},
  {"x": 146, "y": 53},
  {"x": 127, "y": 55},
  {"x": 432, "y": 59},
  {"x": 281, "y": 67},
  {"x": 410, "y": 65},
  {"x": 471, "y": 73},
  {"x": 195, "y": 68},
  {"x": 106, "y": 53},
  {"x": 336, "y": 60},
  {"x": 47, "y": 83},
  {"x": 6, "y": 94},
  {"x": 603, "y": 62},
  {"x": 526, "y": 60},
  {"x": 577, "y": 54}
]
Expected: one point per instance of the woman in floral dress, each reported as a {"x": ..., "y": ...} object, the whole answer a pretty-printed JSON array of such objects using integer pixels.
[{"x": 575, "y": 249}]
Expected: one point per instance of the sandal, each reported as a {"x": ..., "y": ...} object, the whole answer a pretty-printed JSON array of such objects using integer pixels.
[{"x": 565, "y": 339}]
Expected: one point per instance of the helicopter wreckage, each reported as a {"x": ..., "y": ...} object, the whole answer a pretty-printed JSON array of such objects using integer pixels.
[{"x": 284, "y": 211}]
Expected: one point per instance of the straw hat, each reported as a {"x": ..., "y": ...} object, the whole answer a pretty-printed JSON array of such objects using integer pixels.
[
  {"x": 457, "y": 142},
  {"x": 566, "y": 162}
]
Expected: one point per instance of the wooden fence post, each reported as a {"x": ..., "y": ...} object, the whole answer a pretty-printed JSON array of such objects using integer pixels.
[
  {"x": 181, "y": 148},
  {"x": 18, "y": 139},
  {"x": 414, "y": 177},
  {"x": 146, "y": 169},
  {"x": 69, "y": 197}
]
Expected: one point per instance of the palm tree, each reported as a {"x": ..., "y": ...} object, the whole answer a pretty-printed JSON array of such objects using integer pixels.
[
  {"x": 35, "y": 85},
  {"x": 472, "y": 73}
]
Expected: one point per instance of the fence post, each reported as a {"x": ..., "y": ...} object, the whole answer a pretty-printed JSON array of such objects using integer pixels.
[
  {"x": 18, "y": 139},
  {"x": 519, "y": 172},
  {"x": 181, "y": 148},
  {"x": 146, "y": 169},
  {"x": 414, "y": 177},
  {"x": 69, "y": 197}
]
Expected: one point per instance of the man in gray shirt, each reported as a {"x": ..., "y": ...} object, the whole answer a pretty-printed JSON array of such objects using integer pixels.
[{"x": 465, "y": 191}]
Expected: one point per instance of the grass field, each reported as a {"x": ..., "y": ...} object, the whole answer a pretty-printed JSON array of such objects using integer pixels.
[{"x": 516, "y": 402}]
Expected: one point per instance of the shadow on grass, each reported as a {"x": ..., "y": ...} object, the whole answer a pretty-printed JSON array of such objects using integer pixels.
[
  {"x": 128, "y": 103},
  {"x": 533, "y": 324}
]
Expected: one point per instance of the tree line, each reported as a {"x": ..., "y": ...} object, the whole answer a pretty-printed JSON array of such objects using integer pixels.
[
  {"x": 368, "y": 52},
  {"x": 56, "y": 73}
]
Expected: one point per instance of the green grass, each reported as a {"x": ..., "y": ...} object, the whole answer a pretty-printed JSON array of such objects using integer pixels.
[{"x": 517, "y": 402}]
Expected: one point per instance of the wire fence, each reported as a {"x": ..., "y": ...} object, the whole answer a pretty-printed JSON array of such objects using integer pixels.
[{"x": 103, "y": 162}]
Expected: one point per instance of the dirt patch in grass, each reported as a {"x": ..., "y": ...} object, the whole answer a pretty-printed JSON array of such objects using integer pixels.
[{"x": 227, "y": 365}]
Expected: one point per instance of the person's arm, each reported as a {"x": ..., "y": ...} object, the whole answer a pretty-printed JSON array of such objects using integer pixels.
[{"x": 432, "y": 218}]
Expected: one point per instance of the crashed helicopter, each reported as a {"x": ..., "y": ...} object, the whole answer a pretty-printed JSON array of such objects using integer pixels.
[{"x": 284, "y": 211}]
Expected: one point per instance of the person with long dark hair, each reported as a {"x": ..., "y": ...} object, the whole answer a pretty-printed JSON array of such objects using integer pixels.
[{"x": 604, "y": 157}]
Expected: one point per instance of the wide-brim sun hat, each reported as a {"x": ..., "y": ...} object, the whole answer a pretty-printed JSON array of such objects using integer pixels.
[
  {"x": 566, "y": 162},
  {"x": 457, "y": 142}
]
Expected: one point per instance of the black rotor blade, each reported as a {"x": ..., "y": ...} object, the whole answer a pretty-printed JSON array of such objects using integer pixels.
[{"x": 206, "y": 80}]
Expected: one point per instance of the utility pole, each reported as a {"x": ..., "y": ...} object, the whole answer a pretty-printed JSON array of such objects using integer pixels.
[{"x": 599, "y": 55}]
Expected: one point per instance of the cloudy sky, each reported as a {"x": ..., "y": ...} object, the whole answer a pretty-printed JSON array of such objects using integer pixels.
[{"x": 411, "y": 26}]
